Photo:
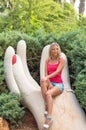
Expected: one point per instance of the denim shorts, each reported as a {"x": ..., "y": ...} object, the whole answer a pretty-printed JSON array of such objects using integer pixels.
[{"x": 59, "y": 85}]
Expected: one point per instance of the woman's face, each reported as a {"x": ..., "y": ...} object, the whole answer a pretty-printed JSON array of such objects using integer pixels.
[{"x": 55, "y": 50}]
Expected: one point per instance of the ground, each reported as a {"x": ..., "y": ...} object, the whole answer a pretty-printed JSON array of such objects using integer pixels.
[{"x": 28, "y": 123}]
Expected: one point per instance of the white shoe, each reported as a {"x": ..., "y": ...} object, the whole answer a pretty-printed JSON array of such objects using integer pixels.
[{"x": 47, "y": 126}]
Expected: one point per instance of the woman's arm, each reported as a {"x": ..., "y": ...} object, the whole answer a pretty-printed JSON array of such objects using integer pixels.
[
  {"x": 60, "y": 67},
  {"x": 46, "y": 72}
]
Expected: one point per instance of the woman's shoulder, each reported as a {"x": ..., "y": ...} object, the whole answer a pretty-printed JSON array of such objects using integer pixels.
[
  {"x": 61, "y": 59},
  {"x": 47, "y": 60}
]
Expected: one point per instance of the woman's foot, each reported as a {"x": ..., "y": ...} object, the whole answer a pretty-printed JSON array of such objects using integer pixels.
[{"x": 48, "y": 122}]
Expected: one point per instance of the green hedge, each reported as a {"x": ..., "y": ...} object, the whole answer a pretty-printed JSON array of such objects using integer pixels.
[
  {"x": 72, "y": 43},
  {"x": 10, "y": 109}
]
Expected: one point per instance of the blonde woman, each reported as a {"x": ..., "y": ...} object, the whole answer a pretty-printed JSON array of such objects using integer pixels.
[{"x": 52, "y": 84}]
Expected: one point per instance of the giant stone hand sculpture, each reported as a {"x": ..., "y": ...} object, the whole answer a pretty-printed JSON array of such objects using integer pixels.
[{"x": 67, "y": 112}]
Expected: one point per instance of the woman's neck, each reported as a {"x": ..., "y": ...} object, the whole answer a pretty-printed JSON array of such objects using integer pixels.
[{"x": 54, "y": 60}]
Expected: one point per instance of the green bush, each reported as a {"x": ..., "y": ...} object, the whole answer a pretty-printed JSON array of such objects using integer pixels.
[
  {"x": 80, "y": 90},
  {"x": 30, "y": 15},
  {"x": 10, "y": 108},
  {"x": 73, "y": 44}
]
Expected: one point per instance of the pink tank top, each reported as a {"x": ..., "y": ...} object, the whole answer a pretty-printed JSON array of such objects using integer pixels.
[{"x": 52, "y": 68}]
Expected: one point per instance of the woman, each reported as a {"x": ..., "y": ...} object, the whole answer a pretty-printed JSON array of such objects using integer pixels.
[{"x": 52, "y": 84}]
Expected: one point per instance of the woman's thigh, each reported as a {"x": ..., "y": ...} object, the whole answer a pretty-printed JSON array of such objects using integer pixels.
[{"x": 55, "y": 91}]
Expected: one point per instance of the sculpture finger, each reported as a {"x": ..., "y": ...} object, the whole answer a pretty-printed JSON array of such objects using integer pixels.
[
  {"x": 10, "y": 80},
  {"x": 21, "y": 51}
]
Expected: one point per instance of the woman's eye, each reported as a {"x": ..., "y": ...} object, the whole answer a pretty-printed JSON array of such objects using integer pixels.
[{"x": 55, "y": 49}]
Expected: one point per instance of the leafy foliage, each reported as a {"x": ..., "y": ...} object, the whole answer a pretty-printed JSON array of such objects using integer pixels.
[
  {"x": 10, "y": 108},
  {"x": 80, "y": 90},
  {"x": 30, "y": 15},
  {"x": 74, "y": 45},
  {"x": 2, "y": 83}
]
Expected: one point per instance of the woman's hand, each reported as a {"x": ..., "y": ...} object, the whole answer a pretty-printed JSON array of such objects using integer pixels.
[{"x": 44, "y": 78}]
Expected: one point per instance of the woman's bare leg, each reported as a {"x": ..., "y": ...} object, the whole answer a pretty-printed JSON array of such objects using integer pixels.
[
  {"x": 44, "y": 89},
  {"x": 49, "y": 99}
]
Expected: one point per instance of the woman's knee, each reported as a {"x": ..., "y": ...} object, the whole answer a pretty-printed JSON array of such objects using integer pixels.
[
  {"x": 48, "y": 94},
  {"x": 43, "y": 82}
]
